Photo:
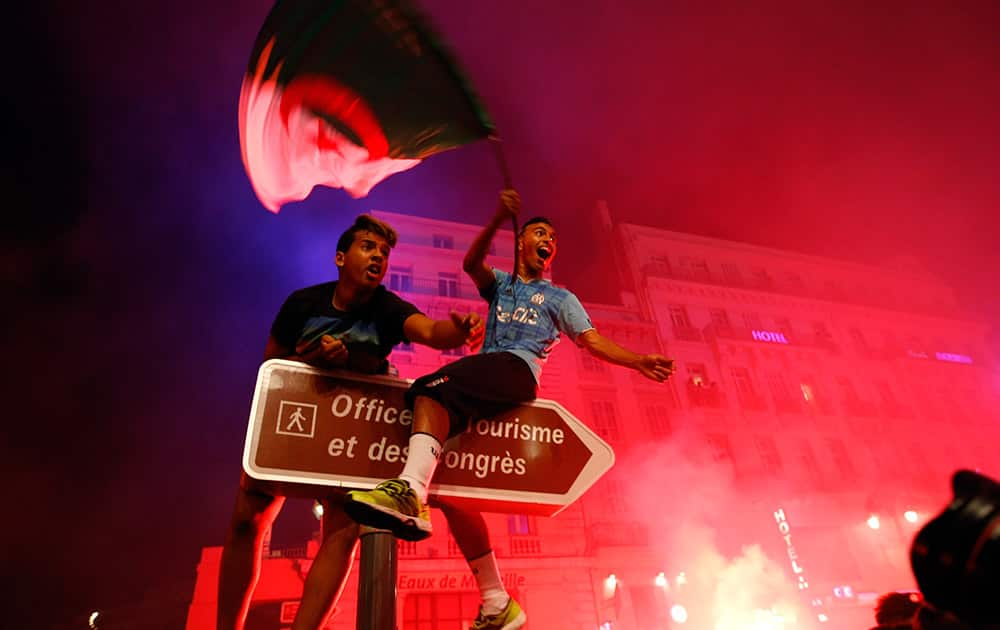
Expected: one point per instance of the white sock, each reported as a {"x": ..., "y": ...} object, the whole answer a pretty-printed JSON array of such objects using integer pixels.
[
  {"x": 421, "y": 460},
  {"x": 491, "y": 588}
]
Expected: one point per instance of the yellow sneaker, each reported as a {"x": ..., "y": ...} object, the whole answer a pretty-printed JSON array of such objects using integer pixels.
[
  {"x": 510, "y": 618},
  {"x": 391, "y": 505}
]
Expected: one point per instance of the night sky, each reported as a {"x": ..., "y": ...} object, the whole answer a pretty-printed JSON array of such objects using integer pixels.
[{"x": 142, "y": 275}]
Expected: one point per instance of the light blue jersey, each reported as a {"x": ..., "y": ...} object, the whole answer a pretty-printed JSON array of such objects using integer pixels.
[{"x": 525, "y": 319}]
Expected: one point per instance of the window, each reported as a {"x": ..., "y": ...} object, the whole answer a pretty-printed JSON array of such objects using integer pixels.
[
  {"x": 697, "y": 375},
  {"x": 696, "y": 268},
  {"x": 720, "y": 448},
  {"x": 701, "y": 391},
  {"x": 433, "y": 610},
  {"x": 448, "y": 284},
  {"x": 878, "y": 452},
  {"x": 613, "y": 498},
  {"x": 848, "y": 390},
  {"x": 822, "y": 333},
  {"x": 784, "y": 326},
  {"x": 605, "y": 416},
  {"x": 401, "y": 279},
  {"x": 752, "y": 321},
  {"x": 887, "y": 399},
  {"x": 443, "y": 241},
  {"x": 521, "y": 525},
  {"x": 679, "y": 316},
  {"x": 720, "y": 319},
  {"x": 860, "y": 343},
  {"x": 841, "y": 458},
  {"x": 784, "y": 401},
  {"x": 659, "y": 265},
  {"x": 807, "y": 457},
  {"x": 592, "y": 364},
  {"x": 770, "y": 459},
  {"x": 794, "y": 281},
  {"x": 744, "y": 388},
  {"x": 761, "y": 279},
  {"x": 732, "y": 274},
  {"x": 406, "y": 548},
  {"x": 885, "y": 394},
  {"x": 779, "y": 386},
  {"x": 657, "y": 419},
  {"x": 834, "y": 290}
]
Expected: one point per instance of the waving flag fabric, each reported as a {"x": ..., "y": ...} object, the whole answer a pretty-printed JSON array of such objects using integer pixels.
[{"x": 344, "y": 93}]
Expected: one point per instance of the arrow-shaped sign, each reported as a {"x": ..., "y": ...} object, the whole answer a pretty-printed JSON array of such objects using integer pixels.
[{"x": 333, "y": 428}]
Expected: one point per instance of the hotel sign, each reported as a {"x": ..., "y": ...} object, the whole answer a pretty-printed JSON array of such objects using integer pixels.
[
  {"x": 785, "y": 529},
  {"x": 951, "y": 357},
  {"x": 948, "y": 357},
  {"x": 768, "y": 336}
]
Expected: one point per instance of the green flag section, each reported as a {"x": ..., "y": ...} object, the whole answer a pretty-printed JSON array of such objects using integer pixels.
[{"x": 344, "y": 93}]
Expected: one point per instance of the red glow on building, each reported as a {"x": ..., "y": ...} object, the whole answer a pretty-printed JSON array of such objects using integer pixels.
[{"x": 832, "y": 390}]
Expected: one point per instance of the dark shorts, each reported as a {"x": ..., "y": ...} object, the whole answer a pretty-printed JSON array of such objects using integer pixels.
[{"x": 477, "y": 386}]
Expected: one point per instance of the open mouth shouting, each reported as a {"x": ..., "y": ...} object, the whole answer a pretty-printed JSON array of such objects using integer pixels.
[
  {"x": 544, "y": 252},
  {"x": 373, "y": 272}
]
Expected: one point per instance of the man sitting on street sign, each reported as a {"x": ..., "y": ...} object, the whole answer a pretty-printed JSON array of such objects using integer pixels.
[
  {"x": 352, "y": 323},
  {"x": 525, "y": 319}
]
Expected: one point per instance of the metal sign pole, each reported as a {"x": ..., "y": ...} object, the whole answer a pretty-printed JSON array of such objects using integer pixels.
[{"x": 377, "y": 580}]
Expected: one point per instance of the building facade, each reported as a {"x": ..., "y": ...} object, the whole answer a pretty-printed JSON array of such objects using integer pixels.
[{"x": 811, "y": 396}]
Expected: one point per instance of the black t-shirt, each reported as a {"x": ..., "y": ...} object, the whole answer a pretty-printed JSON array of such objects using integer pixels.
[{"x": 369, "y": 332}]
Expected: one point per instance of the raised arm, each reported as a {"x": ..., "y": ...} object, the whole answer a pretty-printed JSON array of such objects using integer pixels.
[
  {"x": 442, "y": 334},
  {"x": 474, "y": 262},
  {"x": 655, "y": 367}
]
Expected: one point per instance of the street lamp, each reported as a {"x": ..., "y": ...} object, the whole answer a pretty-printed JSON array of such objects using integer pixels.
[
  {"x": 678, "y": 613},
  {"x": 661, "y": 580}
]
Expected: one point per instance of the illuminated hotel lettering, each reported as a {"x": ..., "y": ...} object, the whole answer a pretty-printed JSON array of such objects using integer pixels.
[
  {"x": 793, "y": 557},
  {"x": 952, "y": 357},
  {"x": 768, "y": 336}
]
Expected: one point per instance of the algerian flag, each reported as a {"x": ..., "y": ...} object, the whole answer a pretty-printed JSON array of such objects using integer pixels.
[{"x": 344, "y": 93}]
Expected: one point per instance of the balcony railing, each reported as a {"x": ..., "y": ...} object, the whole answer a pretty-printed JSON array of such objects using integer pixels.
[
  {"x": 705, "y": 395},
  {"x": 915, "y": 303},
  {"x": 432, "y": 286},
  {"x": 687, "y": 333},
  {"x": 525, "y": 546}
]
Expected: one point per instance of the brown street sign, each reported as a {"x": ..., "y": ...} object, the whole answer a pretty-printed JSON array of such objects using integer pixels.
[{"x": 333, "y": 428}]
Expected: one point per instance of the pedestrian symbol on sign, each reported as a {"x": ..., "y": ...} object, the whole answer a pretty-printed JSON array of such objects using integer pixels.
[{"x": 296, "y": 418}]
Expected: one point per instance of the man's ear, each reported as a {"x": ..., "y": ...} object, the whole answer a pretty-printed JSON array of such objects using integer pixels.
[{"x": 339, "y": 259}]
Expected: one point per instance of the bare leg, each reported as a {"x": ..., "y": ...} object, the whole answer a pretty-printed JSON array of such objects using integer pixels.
[
  {"x": 241, "y": 556},
  {"x": 473, "y": 538},
  {"x": 430, "y": 416},
  {"x": 330, "y": 568},
  {"x": 469, "y": 529}
]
